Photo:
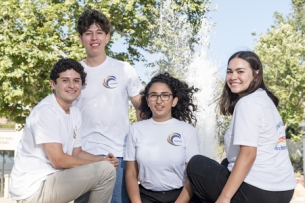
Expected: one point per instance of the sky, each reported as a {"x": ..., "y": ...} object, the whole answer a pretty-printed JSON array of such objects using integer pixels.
[{"x": 235, "y": 20}]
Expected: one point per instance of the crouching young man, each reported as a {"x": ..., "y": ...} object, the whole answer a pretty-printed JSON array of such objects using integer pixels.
[{"x": 50, "y": 166}]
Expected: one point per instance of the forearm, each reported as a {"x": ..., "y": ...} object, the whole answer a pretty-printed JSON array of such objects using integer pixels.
[
  {"x": 131, "y": 179},
  {"x": 133, "y": 190},
  {"x": 186, "y": 193},
  {"x": 138, "y": 115},
  {"x": 136, "y": 101},
  {"x": 66, "y": 161},
  {"x": 241, "y": 168},
  {"x": 87, "y": 156}
]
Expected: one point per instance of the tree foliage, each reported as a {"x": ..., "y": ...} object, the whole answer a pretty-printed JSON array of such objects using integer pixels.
[
  {"x": 34, "y": 34},
  {"x": 282, "y": 51}
]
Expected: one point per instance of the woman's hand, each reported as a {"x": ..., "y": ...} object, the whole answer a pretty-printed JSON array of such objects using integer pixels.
[{"x": 222, "y": 199}]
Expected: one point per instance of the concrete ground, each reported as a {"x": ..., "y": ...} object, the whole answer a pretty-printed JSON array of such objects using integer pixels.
[
  {"x": 6, "y": 200},
  {"x": 298, "y": 197},
  {"x": 295, "y": 200}
]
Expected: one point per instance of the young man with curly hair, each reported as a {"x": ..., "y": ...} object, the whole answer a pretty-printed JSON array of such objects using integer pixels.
[
  {"x": 49, "y": 155},
  {"x": 104, "y": 99}
]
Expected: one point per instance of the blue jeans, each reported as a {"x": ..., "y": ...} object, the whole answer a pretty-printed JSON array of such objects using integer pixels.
[{"x": 119, "y": 192}]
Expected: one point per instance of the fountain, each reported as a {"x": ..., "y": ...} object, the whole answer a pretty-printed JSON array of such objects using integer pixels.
[{"x": 178, "y": 58}]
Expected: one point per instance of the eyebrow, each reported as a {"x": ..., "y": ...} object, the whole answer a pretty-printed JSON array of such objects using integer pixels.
[
  {"x": 160, "y": 93},
  {"x": 95, "y": 30},
  {"x": 235, "y": 69},
  {"x": 68, "y": 78}
]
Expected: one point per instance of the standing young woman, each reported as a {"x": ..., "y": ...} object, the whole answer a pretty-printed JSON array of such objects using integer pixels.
[
  {"x": 159, "y": 148},
  {"x": 258, "y": 168}
]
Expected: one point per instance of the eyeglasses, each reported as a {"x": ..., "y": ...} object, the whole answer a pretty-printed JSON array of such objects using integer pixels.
[{"x": 164, "y": 96}]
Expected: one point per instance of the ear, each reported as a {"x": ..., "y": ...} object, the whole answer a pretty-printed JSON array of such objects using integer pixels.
[
  {"x": 175, "y": 101},
  {"x": 52, "y": 83},
  {"x": 256, "y": 72},
  {"x": 80, "y": 39},
  {"x": 108, "y": 38}
]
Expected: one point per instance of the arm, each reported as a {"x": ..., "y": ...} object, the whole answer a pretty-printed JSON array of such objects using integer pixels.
[
  {"x": 186, "y": 193},
  {"x": 243, "y": 164},
  {"x": 131, "y": 179},
  {"x": 59, "y": 159},
  {"x": 79, "y": 153},
  {"x": 136, "y": 101}
]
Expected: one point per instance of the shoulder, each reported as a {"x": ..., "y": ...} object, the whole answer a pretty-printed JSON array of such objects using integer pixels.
[
  {"x": 255, "y": 103},
  {"x": 140, "y": 124},
  {"x": 258, "y": 97},
  {"x": 182, "y": 123},
  {"x": 118, "y": 63},
  {"x": 49, "y": 103},
  {"x": 45, "y": 110}
]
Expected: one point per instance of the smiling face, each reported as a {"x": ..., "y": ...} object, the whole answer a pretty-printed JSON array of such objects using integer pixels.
[
  {"x": 94, "y": 40},
  {"x": 239, "y": 75},
  {"x": 161, "y": 110},
  {"x": 67, "y": 88}
]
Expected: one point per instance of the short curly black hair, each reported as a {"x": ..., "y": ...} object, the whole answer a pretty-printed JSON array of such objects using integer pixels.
[
  {"x": 67, "y": 64},
  {"x": 90, "y": 17},
  {"x": 185, "y": 108}
]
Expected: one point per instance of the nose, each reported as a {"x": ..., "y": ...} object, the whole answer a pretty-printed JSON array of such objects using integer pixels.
[
  {"x": 158, "y": 100},
  {"x": 233, "y": 76},
  {"x": 71, "y": 84},
  {"x": 94, "y": 36}
]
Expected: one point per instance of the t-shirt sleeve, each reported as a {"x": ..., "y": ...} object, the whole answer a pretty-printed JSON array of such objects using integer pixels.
[
  {"x": 130, "y": 149},
  {"x": 247, "y": 124},
  {"x": 192, "y": 144},
  {"x": 134, "y": 85},
  {"x": 44, "y": 126}
]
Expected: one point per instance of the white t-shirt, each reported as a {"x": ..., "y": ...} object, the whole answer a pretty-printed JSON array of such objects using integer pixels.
[
  {"x": 256, "y": 122},
  {"x": 47, "y": 123},
  {"x": 161, "y": 150},
  {"x": 104, "y": 106}
]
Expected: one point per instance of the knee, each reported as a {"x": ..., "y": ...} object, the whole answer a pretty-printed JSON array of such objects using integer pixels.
[
  {"x": 197, "y": 159},
  {"x": 105, "y": 169},
  {"x": 198, "y": 162}
]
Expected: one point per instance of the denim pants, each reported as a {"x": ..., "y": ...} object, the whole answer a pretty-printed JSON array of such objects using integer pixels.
[{"x": 119, "y": 192}]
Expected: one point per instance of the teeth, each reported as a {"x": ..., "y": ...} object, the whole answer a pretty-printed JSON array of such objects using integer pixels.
[{"x": 94, "y": 45}]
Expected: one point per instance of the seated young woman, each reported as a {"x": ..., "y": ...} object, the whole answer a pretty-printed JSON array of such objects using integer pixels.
[
  {"x": 257, "y": 168},
  {"x": 159, "y": 148}
]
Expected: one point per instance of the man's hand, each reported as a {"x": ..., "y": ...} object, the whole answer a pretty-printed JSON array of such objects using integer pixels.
[{"x": 112, "y": 159}]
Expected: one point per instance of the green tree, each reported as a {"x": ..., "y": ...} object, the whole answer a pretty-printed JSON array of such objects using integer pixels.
[
  {"x": 282, "y": 51},
  {"x": 34, "y": 34}
]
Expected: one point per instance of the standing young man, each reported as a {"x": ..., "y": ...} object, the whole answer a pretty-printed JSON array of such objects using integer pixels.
[
  {"x": 49, "y": 156},
  {"x": 104, "y": 99}
]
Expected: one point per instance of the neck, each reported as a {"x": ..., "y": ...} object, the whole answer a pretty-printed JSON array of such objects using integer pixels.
[
  {"x": 95, "y": 61},
  {"x": 64, "y": 105}
]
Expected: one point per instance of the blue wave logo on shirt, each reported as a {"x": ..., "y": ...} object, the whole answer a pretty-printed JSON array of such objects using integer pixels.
[
  {"x": 174, "y": 139},
  {"x": 110, "y": 82}
]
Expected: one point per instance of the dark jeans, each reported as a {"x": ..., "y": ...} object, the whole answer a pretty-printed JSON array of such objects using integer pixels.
[
  {"x": 149, "y": 196},
  {"x": 207, "y": 178}
]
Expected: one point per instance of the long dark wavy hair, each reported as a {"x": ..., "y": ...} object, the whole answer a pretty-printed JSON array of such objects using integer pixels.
[
  {"x": 185, "y": 108},
  {"x": 228, "y": 99}
]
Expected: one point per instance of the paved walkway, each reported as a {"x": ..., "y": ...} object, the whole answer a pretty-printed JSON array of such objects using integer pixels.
[
  {"x": 295, "y": 200},
  {"x": 298, "y": 197},
  {"x": 5, "y": 200}
]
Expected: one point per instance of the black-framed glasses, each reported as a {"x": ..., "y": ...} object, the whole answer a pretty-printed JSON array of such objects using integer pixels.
[{"x": 164, "y": 96}]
